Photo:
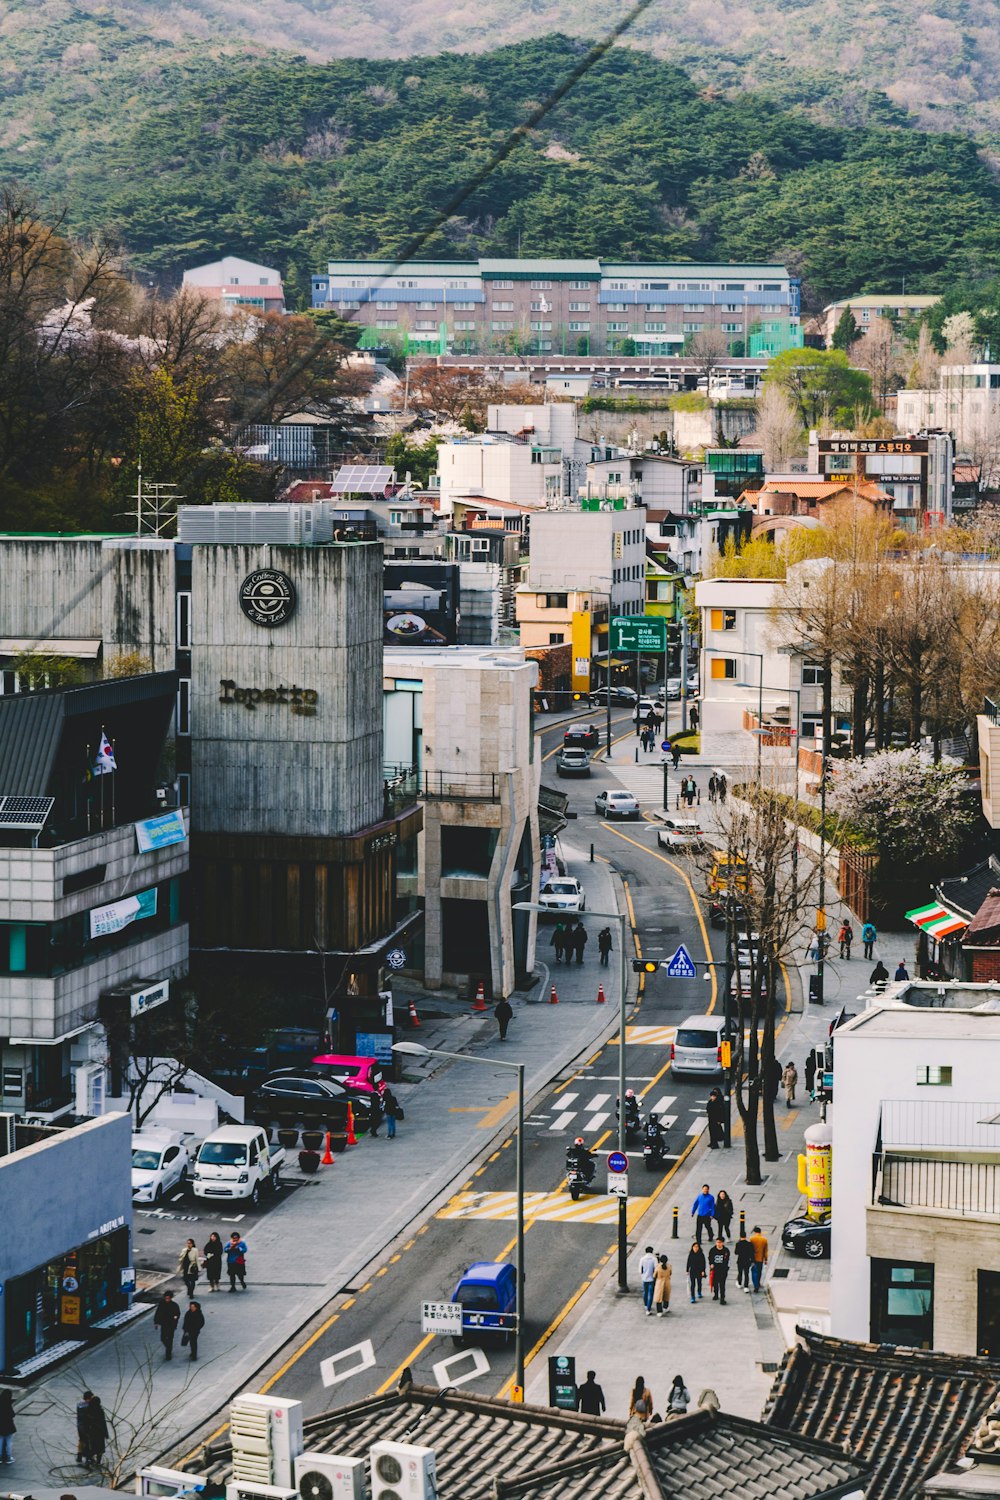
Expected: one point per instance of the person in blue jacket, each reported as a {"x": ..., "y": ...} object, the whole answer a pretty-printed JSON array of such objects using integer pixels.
[{"x": 704, "y": 1208}]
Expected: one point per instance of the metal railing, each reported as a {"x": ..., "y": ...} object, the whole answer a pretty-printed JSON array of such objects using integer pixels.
[
  {"x": 930, "y": 1124},
  {"x": 958, "y": 1187},
  {"x": 991, "y": 710},
  {"x": 408, "y": 782}
]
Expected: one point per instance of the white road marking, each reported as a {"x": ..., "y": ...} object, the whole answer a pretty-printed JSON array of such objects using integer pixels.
[
  {"x": 365, "y": 1358},
  {"x": 663, "y": 1104},
  {"x": 444, "y": 1375},
  {"x": 561, "y": 1121},
  {"x": 598, "y": 1101},
  {"x": 565, "y": 1099},
  {"x": 594, "y": 1122}
]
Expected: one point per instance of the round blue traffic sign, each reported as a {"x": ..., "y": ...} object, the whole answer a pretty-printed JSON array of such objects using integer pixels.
[
  {"x": 617, "y": 1161},
  {"x": 665, "y": 745}
]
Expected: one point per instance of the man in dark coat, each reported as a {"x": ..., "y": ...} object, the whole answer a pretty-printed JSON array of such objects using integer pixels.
[
  {"x": 579, "y": 936},
  {"x": 718, "y": 1261},
  {"x": 504, "y": 1015},
  {"x": 715, "y": 1109},
  {"x": 166, "y": 1318}
]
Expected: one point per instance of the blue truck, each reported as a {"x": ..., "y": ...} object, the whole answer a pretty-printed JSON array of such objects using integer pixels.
[{"x": 488, "y": 1295}]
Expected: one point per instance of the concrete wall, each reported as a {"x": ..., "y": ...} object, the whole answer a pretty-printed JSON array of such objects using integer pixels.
[
  {"x": 63, "y": 1192},
  {"x": 267, "y": 769},
  {"x": 956, "y": 1247},
  {"x": 119, "y": 590},
  {"x": 574, "y": 549}
]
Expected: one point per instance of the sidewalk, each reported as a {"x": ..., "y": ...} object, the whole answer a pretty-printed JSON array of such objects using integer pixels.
[{"x": 327, "y": 1229}]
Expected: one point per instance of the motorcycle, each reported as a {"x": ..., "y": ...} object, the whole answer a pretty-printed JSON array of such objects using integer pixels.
[
  {"x": 633, "y": 1120},
  {"x": 654, "y": 1152},
  {"x": 580, "y": 1175}
]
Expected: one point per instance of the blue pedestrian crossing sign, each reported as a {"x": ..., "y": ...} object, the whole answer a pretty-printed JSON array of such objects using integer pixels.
[{"x": 681, "y": 965}]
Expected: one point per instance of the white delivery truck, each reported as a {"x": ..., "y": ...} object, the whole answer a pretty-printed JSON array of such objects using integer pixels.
[{"x": 237, "y": 1161}]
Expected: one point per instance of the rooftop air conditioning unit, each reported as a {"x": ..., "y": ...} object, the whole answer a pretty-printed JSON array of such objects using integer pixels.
[
  {"x": 267, "y": 1439},
  {"x": 8, "y": 1133},
  {"x": 328, "y": 1476},
  {"x": 154, "y": 1481},
  {"x": 401, "y": 1471},
  {"x": 259, "y": 1492}
]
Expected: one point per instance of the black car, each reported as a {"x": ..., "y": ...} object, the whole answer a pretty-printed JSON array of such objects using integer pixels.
[
  {"x": 717, "y": 913},
  {"x": 300, "y": 1094},
  {"x": 808, "y": 1237},
  {"x": 582, "y": 736},
  {"x": 618, "y": 695}
]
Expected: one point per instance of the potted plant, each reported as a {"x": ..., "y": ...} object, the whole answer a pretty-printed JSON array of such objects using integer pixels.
[
  {"x": 288, "y": 1136},
  {"x": 312, "y": 1140},
  {"x": 308, "y": 1161}
]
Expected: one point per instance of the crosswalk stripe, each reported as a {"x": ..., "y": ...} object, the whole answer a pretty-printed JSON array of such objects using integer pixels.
[
  {"x": 696, "y": 1128},
  {"x": 595, "y": 1122},
  {"x": 648, "y": 1036},
  {"x": 561, "y": 1121},
  {"x": 598, "y": 1101},
  {"x": 556, "y": 1208},
  {"x": 567, "y": 1099},
  {"x": 663, "y": 1104}
]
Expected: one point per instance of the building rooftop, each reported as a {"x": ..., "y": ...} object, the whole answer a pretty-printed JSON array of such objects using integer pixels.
[
  {"x": 966, "y": 893},
  {"x": 886, "y": 299},
  {"x": 903, "y": 1020},
  {"x": 486, "y": 1449},
  {"x": 902, "y": 1414}
]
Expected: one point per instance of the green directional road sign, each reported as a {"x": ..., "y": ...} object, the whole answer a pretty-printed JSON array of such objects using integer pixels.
[{"x": 639, "y": 633}]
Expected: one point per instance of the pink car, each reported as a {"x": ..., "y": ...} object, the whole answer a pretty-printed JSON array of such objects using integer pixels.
[{"x": 361, "y": 1075}]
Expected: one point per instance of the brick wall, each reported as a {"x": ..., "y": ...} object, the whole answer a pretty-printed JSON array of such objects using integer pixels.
[{"x": 985, "y": 965}]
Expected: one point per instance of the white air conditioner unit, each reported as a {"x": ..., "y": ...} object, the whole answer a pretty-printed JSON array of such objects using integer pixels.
[
  {"x": 8, "y": 1133},
  {"x": 328, "y": 1476},
  {"x": 259, "y": 1492},
  {"x": 168, "y": 1482},
  {"x": 267, "y": 1439},
  {"x": 401, "y": 1471}
]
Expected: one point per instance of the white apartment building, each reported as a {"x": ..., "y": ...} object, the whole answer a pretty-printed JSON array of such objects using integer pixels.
[
  {"x": 897, "y": 306},
  {"x": 966, "y": 403},
  {"x": 496, "y": 466},
  {"x": 600, "y": 548},
  {"x": 662, "y": 484},
  {"x": 916, "y": 1170},
  {"x": 460, "y": 718},
  {"x": 235, "y": 282}
]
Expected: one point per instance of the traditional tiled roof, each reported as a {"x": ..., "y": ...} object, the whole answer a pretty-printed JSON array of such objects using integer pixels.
[
  {"x": 486, "y": 1449},
  {"x": 967, "y": 892},
  {"x": 902, "y": 1413},
  {"x": 984, "y": 929}
]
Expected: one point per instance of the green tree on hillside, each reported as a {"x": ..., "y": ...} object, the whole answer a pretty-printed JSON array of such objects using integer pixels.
[
  {"x": 822, "y": 383},
  {"x": 846, "y": 331}
]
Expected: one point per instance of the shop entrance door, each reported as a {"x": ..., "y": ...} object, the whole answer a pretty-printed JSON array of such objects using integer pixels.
[{"x": 988, "y": 1316}]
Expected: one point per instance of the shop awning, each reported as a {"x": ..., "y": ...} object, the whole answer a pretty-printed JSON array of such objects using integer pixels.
[
  {"x": 21, "y": 646},
  {"x": 936, "y": 920}
]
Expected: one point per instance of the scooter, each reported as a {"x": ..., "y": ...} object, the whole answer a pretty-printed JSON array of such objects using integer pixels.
[
  {"x": 580, "y": 1177},
  {"x": 654, "y": 1152},
  {"x": 633, "y": 1120}
]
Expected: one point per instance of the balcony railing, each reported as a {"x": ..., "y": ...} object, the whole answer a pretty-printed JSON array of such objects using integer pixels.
[
  {"x": 991, "y": 710},
  {"x": 480, "y": 786},
  {"x": 957, "y": 1187}
]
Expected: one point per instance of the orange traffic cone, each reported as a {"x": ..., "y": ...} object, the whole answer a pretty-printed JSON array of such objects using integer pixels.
[
  {"x": 352, "y": 1139},
  {"x": 600, "y": 995},
  {"x": 414, "y": 1018},
  {"x": 553, "y": 998},
  {"x": 327, "y": 1160},
  {"x": 480, "y": 1001}
]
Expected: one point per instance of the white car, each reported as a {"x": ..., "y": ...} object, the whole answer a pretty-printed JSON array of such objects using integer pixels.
[
  {"x": 681, "y": 833},
  {"x": 697, "y": 1047},
  {"x": 646, "y": 706},
  {"x": 616, "y": 805},
  {"x": 160, "y": 1162},
  {"x": 565, "y": 894}
]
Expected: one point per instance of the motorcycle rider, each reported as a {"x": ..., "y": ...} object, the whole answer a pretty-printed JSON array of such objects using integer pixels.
[
  {"x": 580, "y": 1159},
  {"x": 632, "y": 1118},
  {"x": 654, "y": 1134}
]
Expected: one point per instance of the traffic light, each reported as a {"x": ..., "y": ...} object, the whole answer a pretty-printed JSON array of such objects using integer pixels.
[{"x": 644, "y": 966}]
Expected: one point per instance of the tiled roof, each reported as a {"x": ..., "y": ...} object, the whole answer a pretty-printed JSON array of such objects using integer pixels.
[
  {"x": 985, "y": 925},
  {"x": 822, "y": 489},
  {"x": 967, "y": 892},
  {"x": 902, "y": 1413},
  {"x": 486, "y": 1449}
]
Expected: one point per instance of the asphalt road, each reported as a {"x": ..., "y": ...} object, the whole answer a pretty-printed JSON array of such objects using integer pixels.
[{"x": 369, "y": 1333}]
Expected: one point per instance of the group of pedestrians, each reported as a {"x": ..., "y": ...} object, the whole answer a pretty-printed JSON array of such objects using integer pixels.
[
  {"x": 569, "y": 939},
  {"x": 718, "y": 787},
  {"x": 641, "y": 1407},
  {"x": 190, "y": 1264}
]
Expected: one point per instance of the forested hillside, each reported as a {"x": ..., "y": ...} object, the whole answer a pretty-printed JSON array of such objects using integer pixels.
[
  {"x": 939, "y": 58},
  {"x": 293, "y": 162}
]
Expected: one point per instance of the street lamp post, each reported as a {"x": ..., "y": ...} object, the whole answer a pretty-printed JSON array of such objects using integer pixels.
[
  {"x": 416, "y": 1049},
  {"x": 604, "y": 594},
  {"x": 621, "y": 919}
]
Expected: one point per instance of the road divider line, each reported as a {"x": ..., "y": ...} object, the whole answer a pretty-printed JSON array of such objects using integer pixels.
[{"x": 393, "y": 1380}]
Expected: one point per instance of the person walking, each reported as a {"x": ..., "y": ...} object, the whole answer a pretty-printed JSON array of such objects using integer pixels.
[
  {"x": 758, "y": 1244},
  {"x": 743, "y": 1250},
  {"x": 166, "y": 1318},
  {"x": 811, "y": 1072},
  {"x": 212, "y": 1251},
  {"x": 504, "y": 1015},
  {"x": 774, "y": 1074},
  {"x": 902, "y": 972},
  {"x": 694, "y": 716},
  {"x": 559, "y": 941},
  {"x": 7, "y": 1428},
  {"x": 394, "y": 1110},
  {"x": 879, "y": 975},
  {"x": 604, "y": 945},
  {"x": 647, "y": 1275},
  {"x": 590, "y": 1397},
  {"x": 82, "y": 1437},
  {"x": 640, "y": 1402},
  {"x": 703, "y": 1209},
  {"x": 869, "y": 937},
  {"x": 715, "y": 1109},
  {"x": 718, "y": 1261},
  {"x": 845, "y": 937},
  {"x": 664, "y": 1280},
  {"x": 675, "y": 755},
  {"x": 194, "y": 1322},
  {"x": 679, "y": 1398},
  {"x": 723, "y": 788},
  {"x": 187, "y": 1265},
  {"x": 579, "y": 941},
  {"x": 236, "y": 1262},
  {"x": 375, "y": 1115},
  {"x": 789, "y": 1079},
  {"x": 713, "y": 787},
  {"x": 695, "y": 1267},
  {"x": 690, "y": 790},
  {"x": 95, "y": 1430},
  {"x": 723, "y": 1213}
]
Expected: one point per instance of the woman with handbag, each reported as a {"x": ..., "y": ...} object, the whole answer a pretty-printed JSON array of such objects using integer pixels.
[
  {"x": 213, "y": 1260},
  {"x": 194, "y": 1322}
]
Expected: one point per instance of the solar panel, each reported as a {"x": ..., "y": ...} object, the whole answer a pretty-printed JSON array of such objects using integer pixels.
[
  {"x": 25, "y": 812},
  {"x": 362, "y": 479}
]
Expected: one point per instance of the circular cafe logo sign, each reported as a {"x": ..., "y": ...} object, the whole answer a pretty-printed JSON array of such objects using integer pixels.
[{"x": 267, "y": 597}]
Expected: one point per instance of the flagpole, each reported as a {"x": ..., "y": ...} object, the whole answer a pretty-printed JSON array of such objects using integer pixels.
[
  {"x": 90, "y": 772},
  {"x": 113, "y": 783}
]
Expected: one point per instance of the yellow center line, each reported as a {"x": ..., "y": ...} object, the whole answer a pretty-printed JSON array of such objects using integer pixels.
[{"x": 387, "y": 1385}]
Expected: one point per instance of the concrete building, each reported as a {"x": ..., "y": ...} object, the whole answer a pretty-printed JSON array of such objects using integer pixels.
[
  {"x": 916, "y": 1158},
  {"x": 899, "y": 307},
  {"x": 577, "y": 307},
  {"x": 915, "y": 469},
  {"x": 93, "y": 886},
  {"x": 461, "y": 720},
  {"x": 234, "y": 282},
  {"x": 496, "y": 466},
  {"x": 664, "y": 485},
  {"x": 965, "y": 403},
  {"x": 66, "y": 1199}
]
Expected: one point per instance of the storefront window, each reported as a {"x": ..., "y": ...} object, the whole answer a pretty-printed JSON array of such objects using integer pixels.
[
  {"x": 902, "y": 1305},
  {"x": 64, "y": 1298}
]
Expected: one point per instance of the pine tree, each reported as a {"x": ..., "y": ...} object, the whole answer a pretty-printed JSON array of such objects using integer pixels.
[{"x": 846, "y": 331}]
